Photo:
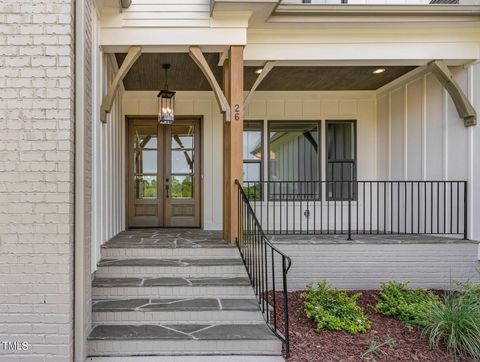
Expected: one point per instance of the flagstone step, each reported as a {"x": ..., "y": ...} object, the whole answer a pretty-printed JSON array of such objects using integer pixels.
[
  {"x": 224, "y": 251},
  {"x": 171, "y": 287},
  {"x": 181, "y": 339},
  {"x": 137, "y": 267},
  {"x": 189, "y": 358},
  {"x": 185, "y": 310}
]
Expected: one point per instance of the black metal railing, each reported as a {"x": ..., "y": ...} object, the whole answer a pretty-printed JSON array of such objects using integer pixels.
[
  {"x": 267, "y": 268},
  {"x": 360, "y": 207}
]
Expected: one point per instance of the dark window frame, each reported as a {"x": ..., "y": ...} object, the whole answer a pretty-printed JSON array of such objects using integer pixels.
[
  {"x": 320, "y": 157},
  {"x": 353, "y": 161}
]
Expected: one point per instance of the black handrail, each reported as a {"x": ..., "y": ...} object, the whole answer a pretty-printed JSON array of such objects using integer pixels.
[
  {"x": 360, "y": 207},
  {"x": 261, "y": 259}
]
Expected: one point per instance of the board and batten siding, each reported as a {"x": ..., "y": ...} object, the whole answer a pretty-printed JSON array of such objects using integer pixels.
[
  {"x": 420, "y": 135},
  {"x": 108, "y": 194},
  {"x": 266, "y": 105}
]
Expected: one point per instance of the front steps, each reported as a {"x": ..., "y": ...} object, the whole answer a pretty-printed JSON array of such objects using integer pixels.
[{"x": 175, "y": 293}]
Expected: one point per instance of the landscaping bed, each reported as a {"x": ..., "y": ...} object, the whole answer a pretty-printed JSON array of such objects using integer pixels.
[{"x": 308, "y": 345}]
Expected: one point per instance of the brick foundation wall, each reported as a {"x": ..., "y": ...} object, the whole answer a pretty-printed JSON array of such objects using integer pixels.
[{"x": 36, "y": 179}]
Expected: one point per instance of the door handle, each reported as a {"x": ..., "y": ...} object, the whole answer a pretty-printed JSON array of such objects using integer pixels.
[{"x": 167, "y": 188}]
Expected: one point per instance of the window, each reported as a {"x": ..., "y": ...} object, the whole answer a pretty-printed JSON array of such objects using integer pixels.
[
  {"x": 294, "y": 160},
  {"x": 252, "y": 157},
  {"x": 341, "y": 155}
]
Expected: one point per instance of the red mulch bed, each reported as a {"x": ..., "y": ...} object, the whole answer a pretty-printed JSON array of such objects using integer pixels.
[{"x": 308, "y": 346}]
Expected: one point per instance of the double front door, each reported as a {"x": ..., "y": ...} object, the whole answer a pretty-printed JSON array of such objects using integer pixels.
[{"x": 163, "y": 174}]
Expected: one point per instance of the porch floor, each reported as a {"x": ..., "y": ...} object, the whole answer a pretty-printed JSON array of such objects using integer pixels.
[{"x": 368, "y": 239}]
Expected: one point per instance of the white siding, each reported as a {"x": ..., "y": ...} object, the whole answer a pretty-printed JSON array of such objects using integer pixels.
[
  {"x": 161, "y": 13},
  {"x": 108, "y": 205},
  {"x": 428, "y": 140},
  {"x": 321, "y": 106}
]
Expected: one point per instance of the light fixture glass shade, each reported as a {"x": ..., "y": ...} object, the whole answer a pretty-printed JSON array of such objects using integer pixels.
[{"x": 166, "y": 107}]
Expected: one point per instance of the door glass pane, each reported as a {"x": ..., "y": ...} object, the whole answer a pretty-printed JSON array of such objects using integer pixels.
[
  {"x": 182, "y": 136},
  {"x": 146, "y": 187},
  {"x": 145, "y": 140},
  {"x": 182, "y": 186},
  {"x": 145, "y": 161},
  {"x": 182, "y": 161}
]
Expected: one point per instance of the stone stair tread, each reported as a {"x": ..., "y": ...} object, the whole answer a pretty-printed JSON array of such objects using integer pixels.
[
  {"x": 169, "y": 262},
  {"x": 182, "y": 332},
  {"x": 175, "y": 304},
  {"x": 168, "y": 238},
  {"x": 170, "y": 281}
]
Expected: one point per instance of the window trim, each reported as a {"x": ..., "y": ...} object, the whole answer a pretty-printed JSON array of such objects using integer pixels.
[
  {"x": 352, "y": 161},
  {"x": 320, "y": 154}
]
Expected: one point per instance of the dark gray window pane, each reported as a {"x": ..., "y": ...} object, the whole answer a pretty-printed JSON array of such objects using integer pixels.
[
  {"x": 294, "y": 151},
  {"x": 341, "y": 141}
]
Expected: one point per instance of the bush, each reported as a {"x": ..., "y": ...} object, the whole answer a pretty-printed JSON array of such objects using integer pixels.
[
  {"x": 456, "y": 323},
  {"x": 409, "y": 306},
  {"x": 334, "y": 309}
]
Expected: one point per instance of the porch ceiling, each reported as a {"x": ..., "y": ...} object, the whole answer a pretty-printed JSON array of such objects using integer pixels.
[{"x": 147, "y": 74}]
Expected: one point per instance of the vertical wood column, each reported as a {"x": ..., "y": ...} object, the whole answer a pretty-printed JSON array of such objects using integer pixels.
[{"x": 232, "y": 141}]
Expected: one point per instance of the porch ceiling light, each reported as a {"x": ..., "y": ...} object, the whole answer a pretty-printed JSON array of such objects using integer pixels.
[
  {"x": 379, "y": 71},
  {"x": 259, "y": 70},
  {"x": 166, "y": 102}
]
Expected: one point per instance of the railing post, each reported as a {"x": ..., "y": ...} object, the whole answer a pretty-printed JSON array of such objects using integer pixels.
[
  {"x": 350, "y": 184},
  {"x": 465, "y": 210},
  {"x": 285, "y": 308}
]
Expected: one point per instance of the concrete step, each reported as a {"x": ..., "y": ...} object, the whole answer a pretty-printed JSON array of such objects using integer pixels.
[
  {"x": 187, "y": 267},
  {"x": 175, "y": 310},
  {"x": 182, "y": 339},
  {"x": 104, "y": 288}
]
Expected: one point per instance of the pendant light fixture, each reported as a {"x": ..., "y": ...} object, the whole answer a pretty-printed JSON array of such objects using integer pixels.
[{"x": 166, "y": 102}]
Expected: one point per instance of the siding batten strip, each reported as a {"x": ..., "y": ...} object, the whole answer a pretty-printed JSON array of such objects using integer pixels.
[
  {"x": 445, "y": 134},
  {"x": 405, "y": 133},
  {"x": 424, "y": 127},
  {"x": 390, "y": 135}
]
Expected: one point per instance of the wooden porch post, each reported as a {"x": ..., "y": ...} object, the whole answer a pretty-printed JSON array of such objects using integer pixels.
[{"x": 232, "y": 140}]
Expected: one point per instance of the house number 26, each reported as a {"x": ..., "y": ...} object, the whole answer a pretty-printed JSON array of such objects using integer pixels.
[{"x": 236, "y": 112}]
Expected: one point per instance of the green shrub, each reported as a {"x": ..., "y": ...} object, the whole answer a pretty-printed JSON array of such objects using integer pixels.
[
  {"x": 409, "y": 306},
  {"x": 456, "y": 323},
  {"x": 334, "y": 309}
]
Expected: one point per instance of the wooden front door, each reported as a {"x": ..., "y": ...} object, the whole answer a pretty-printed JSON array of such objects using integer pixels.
[{"x": 164, "y": 174}]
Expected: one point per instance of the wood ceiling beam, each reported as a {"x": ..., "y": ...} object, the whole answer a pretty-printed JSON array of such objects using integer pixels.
[
  {"x": 464, "y": 108},
  {"x": 133, "y": 54},
  {"x": 266, "y": 69},
  {"x": 199, "y": 59}
]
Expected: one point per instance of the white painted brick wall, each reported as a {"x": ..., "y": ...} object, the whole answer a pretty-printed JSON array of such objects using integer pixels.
[{"x": 36, "y": 178}]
